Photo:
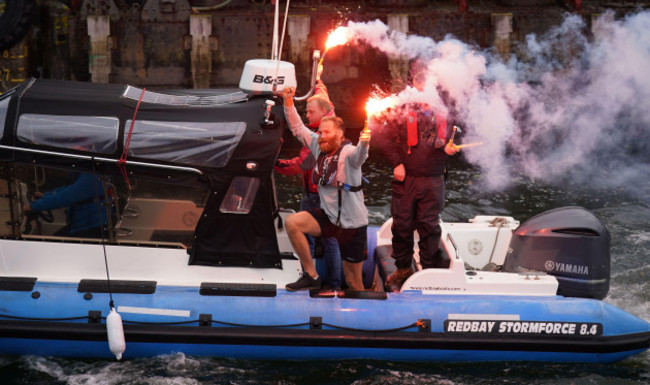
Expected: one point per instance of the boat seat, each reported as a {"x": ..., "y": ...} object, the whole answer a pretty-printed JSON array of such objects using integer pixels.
[{"x": 483, "y": 242}]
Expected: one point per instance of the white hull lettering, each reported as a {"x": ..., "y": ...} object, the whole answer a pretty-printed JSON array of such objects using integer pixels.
[
  {"x": 471, "y": 326},
  {"x": 524, "y": 327}
]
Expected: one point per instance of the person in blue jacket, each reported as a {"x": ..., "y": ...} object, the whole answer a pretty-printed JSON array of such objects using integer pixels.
[{"x": 81, "y": 198}]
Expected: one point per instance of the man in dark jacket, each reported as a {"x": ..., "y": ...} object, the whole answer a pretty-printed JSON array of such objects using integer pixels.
[{"x": 415, "y": 142}]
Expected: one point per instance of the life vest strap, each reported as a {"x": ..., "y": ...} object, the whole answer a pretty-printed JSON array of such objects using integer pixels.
[{"x": 347, "y": 187}]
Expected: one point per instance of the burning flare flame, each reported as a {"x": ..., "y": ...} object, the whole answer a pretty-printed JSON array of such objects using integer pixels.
[
  {"x": 337, "y": 37},
  {"x": 375, "y": 106}
]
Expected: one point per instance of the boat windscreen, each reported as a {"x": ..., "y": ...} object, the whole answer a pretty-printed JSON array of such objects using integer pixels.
[
  {"x": 96, "y": 134},
  {"x": 240, "y": 195},
  {"x": 192, "y": 143}
]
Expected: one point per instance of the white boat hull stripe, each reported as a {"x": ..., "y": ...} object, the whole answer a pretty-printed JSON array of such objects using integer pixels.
[
  {"x": 153, "y": 311},
  {"x": 478, "y": 317}
]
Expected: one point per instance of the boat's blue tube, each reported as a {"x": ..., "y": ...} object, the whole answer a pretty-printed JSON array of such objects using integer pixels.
[{"x": 293, "y": 325}]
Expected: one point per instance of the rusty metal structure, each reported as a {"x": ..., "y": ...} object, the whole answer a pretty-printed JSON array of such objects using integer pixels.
[{"x": 205, "y": 43}]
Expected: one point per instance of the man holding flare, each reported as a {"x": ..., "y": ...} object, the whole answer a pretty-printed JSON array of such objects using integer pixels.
[
  {"x": 318, "y": 106},
  {"x": 415, "y": 142},
  {"x": 342, "y": 214}
]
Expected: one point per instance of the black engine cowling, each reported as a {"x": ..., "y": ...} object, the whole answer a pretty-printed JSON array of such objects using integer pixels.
[{"x": 569, "y": 243}]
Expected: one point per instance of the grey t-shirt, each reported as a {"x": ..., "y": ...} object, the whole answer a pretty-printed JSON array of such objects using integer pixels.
[{"x": 353, "y": 211}]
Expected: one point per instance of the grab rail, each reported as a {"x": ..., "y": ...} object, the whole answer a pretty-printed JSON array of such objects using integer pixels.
[{"x": 101, "y": 159}]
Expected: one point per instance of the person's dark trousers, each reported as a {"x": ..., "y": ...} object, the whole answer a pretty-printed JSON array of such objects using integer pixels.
[
  {"x": 416, "y": 205},
  {"x": 331, "y": 252}
]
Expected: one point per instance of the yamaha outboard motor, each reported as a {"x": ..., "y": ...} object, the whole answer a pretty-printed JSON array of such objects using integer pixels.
[{"x": 569, "y": 243}]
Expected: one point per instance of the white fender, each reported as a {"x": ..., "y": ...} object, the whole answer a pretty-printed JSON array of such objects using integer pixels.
[{"x": 115, "y": 330}]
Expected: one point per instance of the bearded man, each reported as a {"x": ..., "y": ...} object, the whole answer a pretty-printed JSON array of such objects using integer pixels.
[
  {"x": 342, "y": 214},
  {"x": 318, "y": 106}
]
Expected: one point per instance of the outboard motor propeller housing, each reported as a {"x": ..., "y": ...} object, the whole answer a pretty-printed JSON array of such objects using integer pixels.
[{"x": 569, "y": 243}]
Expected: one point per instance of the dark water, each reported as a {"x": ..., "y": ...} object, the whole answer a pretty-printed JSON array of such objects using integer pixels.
[{"x": 625, "y": 213}]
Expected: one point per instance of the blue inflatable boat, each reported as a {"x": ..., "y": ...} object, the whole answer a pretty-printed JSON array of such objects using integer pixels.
[{"x": 192, "y": 256}]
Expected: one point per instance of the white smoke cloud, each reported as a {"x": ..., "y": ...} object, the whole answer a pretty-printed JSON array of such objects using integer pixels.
[{"x": 566, "y": 108}]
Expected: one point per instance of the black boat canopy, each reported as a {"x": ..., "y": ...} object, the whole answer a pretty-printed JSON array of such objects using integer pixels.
[{"x": 220, "y": 139}]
